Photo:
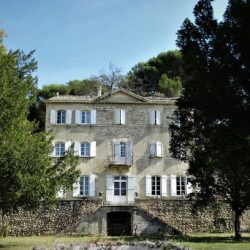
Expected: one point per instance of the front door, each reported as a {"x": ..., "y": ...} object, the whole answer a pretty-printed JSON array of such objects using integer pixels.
[{"x": 120, "y": 189}]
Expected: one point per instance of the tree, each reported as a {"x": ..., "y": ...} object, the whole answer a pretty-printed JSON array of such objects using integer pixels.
[
  {"x": 111, "y": 79},
  {"x": 145, "y": 77},
  {"x": 170, "y": 87},
  {"x": 210, "y": 128},
  {"x": 28, "y": 174}
]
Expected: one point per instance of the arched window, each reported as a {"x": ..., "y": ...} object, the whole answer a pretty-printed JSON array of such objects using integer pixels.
[
  {"x": 60, "y": 148},
  {"x": 85, "y": 149},
  {"x": 61, "y": 116}
]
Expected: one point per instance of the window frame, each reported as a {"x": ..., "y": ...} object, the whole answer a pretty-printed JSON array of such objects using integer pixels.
[
  {"x": 156, "y": 185},
  {"x": 59, "y": 150},
  {"x": 85, "y": 149},
  {"x": 84, "y": 184},
  {"x": 87, "y": 115},
  {"x": 61, "y": 116},
  {"x": 181, "y": 183}
]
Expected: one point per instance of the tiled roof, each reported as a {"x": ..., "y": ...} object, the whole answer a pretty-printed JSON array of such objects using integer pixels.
[{"x": 69, "y": 98}]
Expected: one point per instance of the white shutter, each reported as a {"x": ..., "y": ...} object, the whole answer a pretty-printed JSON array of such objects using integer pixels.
[
  {"x": 76, "y": 188},
  {"x": 52, "y": 116},
  {"x": 148, "y": 182},
  {"x": 163, "y": 185},
  {"x": 60, "y": 193},
  {"x": 129, "y": 153},
  {"x": 109, "y": 188},
  {"x": 53, "y": 153},
  {"x": 78, "y": 117},
  {"x": 92, "y": 185},
  {"x": 131, "y": 189},
  {"x": 93, "y": 116},
  {"x": 152, "y": 148},
  {"x": 173, "y": 185},
  {"x": 123, "y": 116},
  {"x": 77, "y": 148},
  {"x": 92, "y": 149},
  {"x": 117, "y": 156},
  {"x": 158, "y": 149},
  {"x": 117, "y": 116},
  {"x": 158, "y": 117},
  {"x": 152, "y": 117},
  {"x": 188, "y": 187},
  {"x": 68, "y": 116},
  {"x": 67, "y": 145}
]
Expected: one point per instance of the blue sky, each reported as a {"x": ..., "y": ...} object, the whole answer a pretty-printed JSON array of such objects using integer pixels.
[{"x": 74, "y": 39}]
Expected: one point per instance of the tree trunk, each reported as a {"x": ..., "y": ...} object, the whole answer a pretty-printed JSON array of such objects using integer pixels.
[{"x": 237, "y": 231}]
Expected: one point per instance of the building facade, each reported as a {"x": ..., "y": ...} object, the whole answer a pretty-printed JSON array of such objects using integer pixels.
[{"x": 122, "y": 141}]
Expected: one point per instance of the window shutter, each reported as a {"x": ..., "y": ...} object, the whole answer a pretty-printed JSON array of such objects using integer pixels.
[
  {"x": 60, "y": 193},
  {"x": 109, "y": 188},
  {"x": 77, "y": 148},
  {"x": 148, "y": 185},
  {"x": 76, "y": 188},
  {"x": 92, "y": 149},
  {"x": 129, "y": 153},
  {"x": 117, "y": 156},
  {"x": 152, "y": 117},
  {"x": 131, "y": 189},
  {"x": 117, "y": 116},
  {"x": 158, "y": 149},
  {"x": 123, "y": 116},
  {"x": 93, "y": 116},
  {"x": 163, "y": 185},
  {"x": 67, "y": 145},
  {"x": 188, "y": 187},
  {"x": 53, "y": 153},
  {"x": 68, "y": 116},
  {"x": 152, "y": 148},
  {"x": 92, "y": 185},
  {"x": 158, "y": 117},
  {"x": 173, "y": 185},
  {"x": 78, "y": 117},
  {"x": 52, "y": 116}
]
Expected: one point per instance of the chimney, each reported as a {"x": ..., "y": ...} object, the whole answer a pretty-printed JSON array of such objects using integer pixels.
[
  {"x": 57, "y": 93},
  {"x": 99, "y": 90}
]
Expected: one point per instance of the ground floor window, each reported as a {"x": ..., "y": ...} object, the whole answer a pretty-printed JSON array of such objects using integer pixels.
[
  {"x": 181, "y": 185},
  {"x": 120, "y": 185},
  {"x": 156, "y": 185},
  {"x": 84, "y": 185}
]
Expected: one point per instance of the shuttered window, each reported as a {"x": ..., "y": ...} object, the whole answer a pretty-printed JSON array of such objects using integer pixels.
[
  {"x": 85, "y": 149},
  {"x": 61, "y": 117},
  {"x": 85, "y": 118},
  {"x": 84, "y": 185},
  {"x": 59, "y": 149},
  {"x": 156, "y": 185},
  {"x": 156, "y": 149},
  {"x": 180, "y": 185}
]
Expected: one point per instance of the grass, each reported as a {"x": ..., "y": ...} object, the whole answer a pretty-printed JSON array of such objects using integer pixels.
[{"x": 196, "y": 241}]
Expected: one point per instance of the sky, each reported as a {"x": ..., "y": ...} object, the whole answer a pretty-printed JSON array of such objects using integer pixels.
[{"x": 75, "y": 39}]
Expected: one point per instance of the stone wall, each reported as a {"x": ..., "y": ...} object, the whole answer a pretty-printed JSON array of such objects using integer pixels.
[{"x": 149, "y": 216}]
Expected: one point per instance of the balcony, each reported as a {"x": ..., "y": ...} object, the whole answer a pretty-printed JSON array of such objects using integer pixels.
[{"x": 117, "y": 160}]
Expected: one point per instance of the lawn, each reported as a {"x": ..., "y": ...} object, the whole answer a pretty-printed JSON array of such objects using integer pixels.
[{"x": 196, "y": 241}]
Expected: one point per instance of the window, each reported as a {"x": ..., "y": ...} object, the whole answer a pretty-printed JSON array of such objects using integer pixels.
[
  {"x": 122, "y": 153},
  {"x": 120, "y": 185},
  {"x": 85, "y": 117},
  {"x": 156, "y": 149},
  {"x": 84, "y": 185},
  {"x": 180, "y": 185},
  {"x": 60, "y": 149},
  {"x": 119, "y": 116},
  {"x": 61, "y": 116},
  {"x": 123, "y": 149},
  {"x": 85, "y": 149},
  {"x": 155, "y": 117},
  {"x": 156, "y": 185}
]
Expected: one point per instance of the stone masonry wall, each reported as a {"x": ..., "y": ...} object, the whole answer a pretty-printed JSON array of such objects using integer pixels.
[{"x": 176, "y": 214}]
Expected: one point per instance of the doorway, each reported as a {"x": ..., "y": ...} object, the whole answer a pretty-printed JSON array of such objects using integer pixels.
[{"x": 119, "y": 224}]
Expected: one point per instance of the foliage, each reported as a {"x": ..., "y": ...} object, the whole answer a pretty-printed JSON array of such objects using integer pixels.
[
  {"x": 110, "y": 79},
  {"x": 211, "y": 130},
  {"x": 145, "y": 77},
  {"x": 28, "y": 174},
  {"x": 170, "y": 87}
]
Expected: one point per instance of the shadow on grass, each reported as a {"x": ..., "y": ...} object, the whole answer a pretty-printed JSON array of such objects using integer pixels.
[{"x": 208, "y": 239}]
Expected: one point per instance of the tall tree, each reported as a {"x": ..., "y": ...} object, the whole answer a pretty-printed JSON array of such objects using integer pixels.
[
  {"x": 210, "y": 128},
  {"x": 28, "y": 174},
  {"x": 145, "y": 77}
]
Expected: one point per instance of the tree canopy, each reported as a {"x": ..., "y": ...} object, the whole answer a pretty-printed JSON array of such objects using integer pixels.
[
  {"x": 210, "y": 128},
  {"x": 27, "y": 172}
]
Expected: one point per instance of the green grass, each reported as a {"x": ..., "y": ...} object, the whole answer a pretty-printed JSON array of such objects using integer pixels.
[{"x": 196, "y": 241}]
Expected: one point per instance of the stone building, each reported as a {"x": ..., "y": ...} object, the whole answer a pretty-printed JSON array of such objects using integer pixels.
[{"x": 122, "y": 140}]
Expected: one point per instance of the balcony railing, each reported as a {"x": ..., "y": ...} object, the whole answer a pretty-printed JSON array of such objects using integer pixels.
[{"x": 121, "y": 161}]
